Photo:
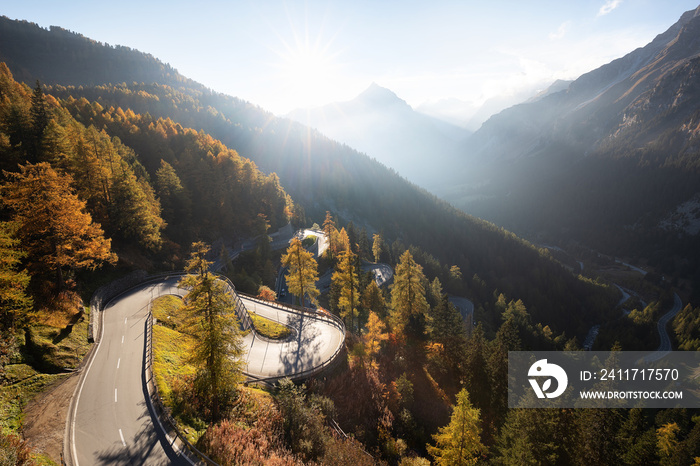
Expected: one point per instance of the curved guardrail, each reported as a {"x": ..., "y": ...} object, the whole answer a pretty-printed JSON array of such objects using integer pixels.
[
  {"x": 314, "y": 314},
  {"x": 163, "y": 411},
  {"x": 104, "y": 295}
]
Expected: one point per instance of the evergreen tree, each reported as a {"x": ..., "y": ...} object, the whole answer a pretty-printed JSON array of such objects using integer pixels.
[
  {"x": 346, "y": 278},
  {"x": 597, "y": 442},
  {"x": 637, "y": 439},
  {"x": 213, "y": 323},
  {"x": 477, "y": 376},
  {"x": 174, "y": 200},
  {"x": 447, "y": 328},
  {"x": 40, "y": 120},
  {"x": 15, "y": 304},
  {"x": 459, "y": 443},
  {"x": 543, "y": 436},
  {"x": 408, "y": 301},
  {"x": 302, "y": 272},
  {"x": 377, "y": 245}
]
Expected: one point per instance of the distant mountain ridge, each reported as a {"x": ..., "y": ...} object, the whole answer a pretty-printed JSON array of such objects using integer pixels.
[
  {"x": 606, "y": 162},
  {"x": 61, "y": 56},
  {"x": 382, "y": 125},
  {"x": 599, "y": 109}
]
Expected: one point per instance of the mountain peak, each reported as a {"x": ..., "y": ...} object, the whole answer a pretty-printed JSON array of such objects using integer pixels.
[{"x": 378, "y": 95}]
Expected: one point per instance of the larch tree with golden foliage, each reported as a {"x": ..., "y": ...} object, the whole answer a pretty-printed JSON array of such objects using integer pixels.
[
  {"x": 345, "y": 276},
  {"x": 408, "y": 301},
  {"x": 377, "y": 245},
  {"x": 374, "y": 336},
  {"x": 54, "y": 227},
  {"x": 459, "y": 442},
  {"x": 214, "y": 325},
  {"x": 331, "y": 232},
  {"x": 302, "y": 271}
]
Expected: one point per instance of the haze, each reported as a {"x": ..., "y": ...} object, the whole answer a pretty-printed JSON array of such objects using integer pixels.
[{"x": 445, "y": 58}]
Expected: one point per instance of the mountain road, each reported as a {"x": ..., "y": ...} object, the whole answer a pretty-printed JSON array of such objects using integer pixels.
[{"x": 112, "y": 420}]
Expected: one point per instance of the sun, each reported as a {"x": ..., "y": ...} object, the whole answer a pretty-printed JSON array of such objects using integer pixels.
[{"x": 309, "y": 72}]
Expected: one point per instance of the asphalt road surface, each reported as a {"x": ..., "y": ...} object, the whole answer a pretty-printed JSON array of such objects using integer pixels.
[
  {"x": 112, "y": 421},
  {"x": 665, "y": 340}
]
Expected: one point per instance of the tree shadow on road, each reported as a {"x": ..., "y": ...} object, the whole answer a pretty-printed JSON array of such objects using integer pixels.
[
  {"x": 149, "y": 445},
  {"x": 304, "y": 351}
]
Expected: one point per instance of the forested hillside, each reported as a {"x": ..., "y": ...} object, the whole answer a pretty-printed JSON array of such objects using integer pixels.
[{"x": 318, "y": 173}]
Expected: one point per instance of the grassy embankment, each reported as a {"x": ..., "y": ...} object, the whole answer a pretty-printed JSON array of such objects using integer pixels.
[
  {"x": 58, "y": 344},
  {"x": 171, "y": 349}
]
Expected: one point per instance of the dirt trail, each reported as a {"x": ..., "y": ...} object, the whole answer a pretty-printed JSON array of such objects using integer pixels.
[{"x": 45, "y": 418}]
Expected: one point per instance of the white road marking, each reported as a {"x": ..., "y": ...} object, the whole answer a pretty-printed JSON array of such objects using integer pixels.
[
  {"x": 122, "y": 437},
  {"x": 122, "y": 339},
  {"x": 118, "y": 361},
  {"x": 74, "y": 452},
  {"x": 115, "y": 395},
  {"x": 124, "y": 320}
]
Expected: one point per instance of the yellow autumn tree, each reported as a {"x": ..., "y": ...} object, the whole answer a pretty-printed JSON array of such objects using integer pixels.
[
  {"x": 345, "y": 277},
  {"x": 377, "y": 245},
  {"x": 302, "y": 271},
  {"x": 459, "y": 442},
  {"x": 408, "y": 301},
  {"x": 375, "y": 335},
  {"x": 54, "y": 228}
]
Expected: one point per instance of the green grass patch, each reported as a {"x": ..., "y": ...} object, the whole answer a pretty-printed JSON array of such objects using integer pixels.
[
  {"x": 63, "y": 348},
  {"x": 168, "y": 311},
  {"x": 171, "y": 350},
  {"x": 269, "y": 328},
  {"x": 14, "y": 397},
  {"x": 58, "y": 347}
]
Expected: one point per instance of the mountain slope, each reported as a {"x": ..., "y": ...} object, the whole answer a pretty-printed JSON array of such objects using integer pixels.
[
  {"x": 383, "y": 126},
  {"x": 63, "y": 57},
  {"x": 597, "y": 105},
  {"x": 605, "y": 162},
  {"x": 320, "y": 175}
]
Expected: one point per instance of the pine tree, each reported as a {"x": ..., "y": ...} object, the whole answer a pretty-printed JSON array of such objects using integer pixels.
[
  {"x": 459, "y": 442},
  {"x": 329, "y": 229},
  {"x": 536, "y": 436},
  {"x": 40, "y": 120},
  {"x": 302, "y": 271},
  {"x": 53, "y": 225},
  {"x": 174, "y": 200},
  {"x": 15, "y": 304},
  {"x": 346, "y": 278},
  {"x": 377, "y": 245},
  {"x": 373, "y": 300},
  {"x": 408, "y": 301},
  {"x": 447, "y": 328},
  {"x": 214, "y": 325}
]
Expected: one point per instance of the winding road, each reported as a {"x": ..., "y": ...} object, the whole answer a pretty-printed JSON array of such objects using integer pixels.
[
  {"x": 665, "y": 340},
  {"x": 112, "y": 421}
]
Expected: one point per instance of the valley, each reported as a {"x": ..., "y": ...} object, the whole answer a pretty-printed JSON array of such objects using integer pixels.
[{"x": 423, "y": 253}]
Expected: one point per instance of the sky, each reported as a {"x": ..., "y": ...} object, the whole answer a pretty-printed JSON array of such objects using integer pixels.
[{"x": 283, "y": 55}]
